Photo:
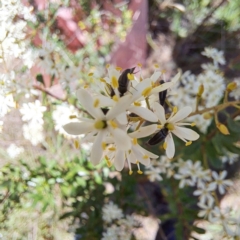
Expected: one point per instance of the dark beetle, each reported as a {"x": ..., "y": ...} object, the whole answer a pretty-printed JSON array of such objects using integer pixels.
[
  {"x": 159, "y": 136},
  {"x": 162, "y": 95},
  {"x": 123, "y": 81}
]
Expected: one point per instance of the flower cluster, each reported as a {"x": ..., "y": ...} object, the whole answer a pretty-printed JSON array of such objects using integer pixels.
[{"x": 113, "y": 115}]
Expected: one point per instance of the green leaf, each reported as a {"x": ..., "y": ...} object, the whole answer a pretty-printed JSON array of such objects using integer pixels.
[
  {"x": 234, "y": 126},
  {"x": 39, "y": 78}
]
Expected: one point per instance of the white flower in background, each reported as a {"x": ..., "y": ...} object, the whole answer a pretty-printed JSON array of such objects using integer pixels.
[
  {"x": 63, "y": 114},
  {"x": 174, "y": 126},
  {"x": 7, "y": 103},
  {"x": 111, "y": 233},
  {"x": 236, "y": 92},
  {"x": 111, "y": 212},
  {"x": 215, "y": 54},
  {"x": 206, "y": 209},
  {"x": 230, "y": 158},
  {"x": 33, "y": 112},
  {"x": 220, "y": 182},
  {"x": 14, "y": 151},
  {"x": 101, "y": 126},
  {"x": 204, "y": 192},
  {"x": 33, "y": 132},
  {"x": 153, "y": 174}
]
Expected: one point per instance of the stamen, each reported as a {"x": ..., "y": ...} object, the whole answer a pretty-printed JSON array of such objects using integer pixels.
[
  {"x": 118, "y": 68},
  {"x": 145, "y": 157},
  {"x": 138, "y": 104},
  {"x": 170, "y": 126},
  {"x": 156, "y": 65},
  {"x": 90, "y": 74},
  {"x": 159, "y": 126},
  {"x": 130, "y": 172},
  {"x": 107, "y": 65},
  {"x": 102, "y": 80},
  {"x": 139, "y": 65},
  {"x": 139, "y": 170},
  {"x": 76, "y": 144},
  {"x": 72, "y": 116},
  {"x": 146, "y": 91},
  {"x": 104, "y": 145},
  {"x": 112, "y": 149},
  {"x": 175, "y": 109},
  {"x": 114, "y": 82},
  {"x": 115, "y": 98},
  {"x": 188, "y": 143},
  {"x": 113, "y": 124},
  {"x": 193, "y": 124},
  {"x": 96, "y": 103},
  {"x": 130, "y": 76},
  {"x": 134, "y": 140},
  {"x": 165, "y": 145},
  {"x": 85, "y": 86}
]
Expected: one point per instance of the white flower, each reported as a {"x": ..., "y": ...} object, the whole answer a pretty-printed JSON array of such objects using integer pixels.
[
  {"x": 14, "y": 151},
  {"x": 205, "y": 193},
  {"x": 220, "y": 182},
  {"x": 136, "y": 154},
  {"x": 101, "y": 125},
  {"x": 111, "y": 212},
  {"x": 174, "y": 126},
  {"x": 33, "y": 112},
  {"x": 206, "y": 209},
  {"x": 33, "y": 132},
  {"x": 216, "y": 55},
  {"x": 153, "y": 174}
]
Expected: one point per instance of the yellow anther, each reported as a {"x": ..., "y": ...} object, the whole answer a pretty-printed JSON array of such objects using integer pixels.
[
  {"x": 102, "y": 80},
  {"x": 139, "y": 172},
  {"x": 90, "y": 74},
  {"x": 140, "y": 79},
  {"x": 165, "y": 145},
  {"x": 85, "y": 86},
  {"x": 118, "y": 68},
  {"x": 130, "y": 76},
  {"x": 175, "y": 109},
  {"x": 96, "y": 103},
  {"x": 156, "y": 65},
  {"x": 134, "y": 140},
  {"x": 113, "y": 124},
  {"x": 114, "y": 82},
  {"x": 137, "y": 162},
  {"x": 159, "y": 126},
  {"x": 112, "y": 149},
  {"x": 193, "y": 124},
  {"x": 76, "y": 144},
  {"x": 107, "y": 65},
  {"x": 170, "y": 126},
  {"x": 130, "y": 172},
  {"x": 145, "y": 157},
  {"x": 139, "y": 65},
  {"x": 72, "y": 116},
  {"x": 138, "y": 104},
  {"x": 100, "y": 124},
  {"x": 104, "y": 145},
  {"x": 146, "y": 91},
  {"x": 188, "y": 143},
  {"x": 223, "y": 129},
  {"x": 163, "y": 71},
  {"x": 115, "y": 98},
  {"x": 81, "y": 25},
  {"x": 231, "y": 86}
]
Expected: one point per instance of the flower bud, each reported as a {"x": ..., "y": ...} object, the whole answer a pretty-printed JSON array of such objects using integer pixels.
[
  {"x": 207, "y": 115},
  {"x": 200, "y": 90},
  {"x": 231, "y": 86},
  {"x": 223, "y": 129}
]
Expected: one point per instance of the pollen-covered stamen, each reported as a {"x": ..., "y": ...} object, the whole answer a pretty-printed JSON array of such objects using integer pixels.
[
  {"x": 118, "y": 68},
  {"x": 104, "y": 145},
  {"x": 169, "y": 126},
  {"x": 90, "y": 74},
  {"x": 72, "y": 116},
  {"x": 156, "y": 65},
  {"x": 96, "y": 103},
  {"x": 112, "y": 149},
  {"x": 107, "y": 65},
  {"x": 137, "y": 104},
  {"x": 101, "y": 124},
  {"x": 159, "y": 126},
  {"x": 175, "y": 109},
  {"x": 102, "y": 80},
  {"x": 188, "y": 143},
  {"x": 193, "y": 124},
  {"x": 130, "y": 76},
  {"x": 145, "y": 157},
  {"x": 165, "y": 145},
  {"x": 115, "y": 98},
  {"x": 109, "y": 164},
  {"x": 134, "y": 140},
  {"x": 139, "y": 65},
  {"x": 146, "y": 91},
  {"x": 76, "y": 144},
  {"x": 114, "y": 82},
  {"x": 113, "y": 124}
]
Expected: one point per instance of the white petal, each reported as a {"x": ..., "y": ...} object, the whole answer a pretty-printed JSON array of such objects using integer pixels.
[
  {"x": 104, "y": 101},
  {"x": 181, "y": 114},
  {"x": 122, "y": 140},
  {"x": 162, "y": 87},
  {"x": 156, "y": 76},
  {"x": 120, "y": 107},
  {"x": 160, "y": 112},
  {"x": 140, "y": 156},
  {"x": 140, "y": 87},
  {"x": 170, "y": 151},
  {"x": 144, "y": 113},
  {"x": 119, "y": 160},
  {"x": 87, "y": 102},
  {"x": 176, "y": 77},
  {"x": 145, "y": 152},
  {"x": 185, "y": 133},
  {"x": 122, "y": 118},
  {"x": 143, "y": 131},
  {"x": 131, "y": 157},
  {"x": 77, "y": 128},
  {"x": 97, "y": 150}
]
